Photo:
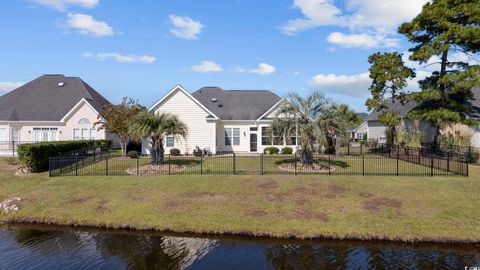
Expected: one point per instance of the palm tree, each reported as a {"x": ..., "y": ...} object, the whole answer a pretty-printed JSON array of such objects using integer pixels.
[
  {"x": 334, "y": 122},
  {"x": 155, "y": 127},
  {"x": 301, "y": 115}
]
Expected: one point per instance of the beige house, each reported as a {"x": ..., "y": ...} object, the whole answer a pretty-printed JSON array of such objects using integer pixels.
[
  {"x": 49, "y": 108},
  {"x": 222, "y": 121}
]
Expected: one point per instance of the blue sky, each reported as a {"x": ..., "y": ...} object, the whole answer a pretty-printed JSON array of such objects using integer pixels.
[{"x": 143, "y": 48}]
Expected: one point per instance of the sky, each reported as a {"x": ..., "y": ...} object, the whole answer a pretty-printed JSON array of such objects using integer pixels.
[{"x": 143, "y": 48}]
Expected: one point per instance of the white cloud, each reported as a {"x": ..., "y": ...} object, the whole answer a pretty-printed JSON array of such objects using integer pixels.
[
  {"x": 262, "y": 69},
  {"x": 132, "y": 58},
  {"x": 185, "y": 27},
  {"x": 380, "y": 17},
  {"x": 87, "y": 25},
  {"x": 207, "y": 67},
  {"x": 9, "y": 86},
  {"x": 64, "y": 4},
  {"x": 361, "y": 40},
  {"x": 352, "y": 85}
]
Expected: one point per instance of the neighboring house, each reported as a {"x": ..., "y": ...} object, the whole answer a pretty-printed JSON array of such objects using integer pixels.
[
  {"x": 358, "y": 133},
  {"x": 376, "y": 130},
  {"x": 50, "y": 108},
  {"x": 223, "y": 121}
]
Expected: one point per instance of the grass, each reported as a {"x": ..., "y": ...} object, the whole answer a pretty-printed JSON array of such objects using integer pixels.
[{"x": 441, "y": 209}]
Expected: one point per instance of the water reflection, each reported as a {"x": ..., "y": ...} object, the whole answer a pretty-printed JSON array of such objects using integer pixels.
[{"x": 59, "y": 248}]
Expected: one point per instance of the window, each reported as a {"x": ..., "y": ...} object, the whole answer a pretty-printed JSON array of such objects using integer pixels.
[
  {"x": 277, "y": 140},
  {"x": 266, "y": 136},
  {"x": 292, "y": 140},
  {"x": 93, "y": 134},
  {"x": 253, "y": 128},
  {"x": 85, "y": 134},
  {"x": 76, "y": 134},
  {"x": 45, "y": 134},
  {"x": 232, "y": 136},
  {"x": 84, "y": 121},
  {"x": 170, "y": 141},
  {"x": 360, "y": 136},
  {"x": 14, "y": 134},
  {"x": 3, "y": 134}
]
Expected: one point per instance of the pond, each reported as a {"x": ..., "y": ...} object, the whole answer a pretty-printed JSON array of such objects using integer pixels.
[{"x": 44, "y": 247}]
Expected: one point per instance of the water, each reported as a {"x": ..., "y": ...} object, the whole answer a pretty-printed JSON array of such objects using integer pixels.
[{"x": 40, "y": 247}]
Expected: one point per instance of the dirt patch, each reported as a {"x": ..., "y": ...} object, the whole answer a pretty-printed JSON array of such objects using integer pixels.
[
  {"x": 329, "y": 196},
  {"x": 156, "y": 169},
  {"x": 315, "y": 168},
  {"x": 310, "y": 215},
  {"x": 133, "y": 196},
  {"x": 375, "y": 203},
  {"x": 173, "y": 204},
  {"x": 205, "y": 195},
  {"x": 337, "y": 189},
  {"x": 300, "y": 191},
  {"x": 101, "y": 206},
  {"x": 365, "y": 195},
  {"x": 301, "y": 201},
  {"x": 254, "y": 213},
  {"x": 271, "y": 197},
  {"x": 268, "y": 185},
  {"x": 78, "y": 200}
]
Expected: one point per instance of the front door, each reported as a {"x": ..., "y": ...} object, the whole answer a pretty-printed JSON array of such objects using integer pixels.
[{"x": 253, "y": 142}]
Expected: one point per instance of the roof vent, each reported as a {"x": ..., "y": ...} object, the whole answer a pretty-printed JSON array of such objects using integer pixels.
[
  {"x": 60, "y": 84},
  {"x": 220, "y": 105},
  {"x": 214, "y": 100}
]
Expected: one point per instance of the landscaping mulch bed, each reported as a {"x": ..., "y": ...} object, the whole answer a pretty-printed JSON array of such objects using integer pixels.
[
  {"x": 156, "y": 169},
  {"x": 315, "y": 168}
]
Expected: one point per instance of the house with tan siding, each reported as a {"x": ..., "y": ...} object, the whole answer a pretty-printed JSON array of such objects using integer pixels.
[
  {"x": 50, "y": 108},
  {"x": 222, "y": 121}
]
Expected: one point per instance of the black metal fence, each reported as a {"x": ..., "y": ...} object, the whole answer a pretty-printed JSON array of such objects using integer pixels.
[
  {"x": 378, "y": 160},
  {"x": 9, "y": 148}
]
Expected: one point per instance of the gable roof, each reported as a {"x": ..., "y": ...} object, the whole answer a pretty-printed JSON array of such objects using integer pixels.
[
  {"x": 44, "y": 100},
  {"x": 236, "y": 104}
]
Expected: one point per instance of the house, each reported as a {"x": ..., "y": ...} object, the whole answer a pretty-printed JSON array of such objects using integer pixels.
[
  {"x": 223, "y": 121},
  {"x": 375, "y": 129},
  {"x": 50, "y": 108},
  {"x": 358, "y": 133}
]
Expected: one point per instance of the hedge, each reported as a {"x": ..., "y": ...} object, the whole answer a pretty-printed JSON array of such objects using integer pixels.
[
  {"x": 287, "y": 150},
  {"x": 35, "y": 155},
  {"x": 272, "y": 150}
]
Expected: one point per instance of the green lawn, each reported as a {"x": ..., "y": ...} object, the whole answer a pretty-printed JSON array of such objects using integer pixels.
[
  {"x": 370, "y": 164},
  {"x": 361, "y": 207}
]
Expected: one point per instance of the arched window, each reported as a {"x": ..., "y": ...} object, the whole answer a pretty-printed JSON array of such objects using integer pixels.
[{"x": 84, "y": 121}]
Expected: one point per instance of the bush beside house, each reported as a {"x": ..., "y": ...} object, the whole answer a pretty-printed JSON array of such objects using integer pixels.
[{"x": 35, "y": 156}]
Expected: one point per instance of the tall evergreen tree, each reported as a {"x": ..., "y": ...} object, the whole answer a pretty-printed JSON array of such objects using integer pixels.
[
  {"x": 389, "y": 78},
  {"x": 445, "y": 28}
]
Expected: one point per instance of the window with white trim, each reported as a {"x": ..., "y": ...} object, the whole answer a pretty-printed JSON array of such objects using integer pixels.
[
  {"x": 14, "y": 134},
  {"x": 84, "y": 134},
  {"x": 266, "y": 136},
  {"x": 76, "y": 134},
  {"x": 45, "y": 134},
  {"x": 232, "y": 136},
  {"x": 84, "y": 121},
  {"x": 170, "y": 141},
  {"x": 93, "y": 134},
  {"x": 3, "y": 134}
]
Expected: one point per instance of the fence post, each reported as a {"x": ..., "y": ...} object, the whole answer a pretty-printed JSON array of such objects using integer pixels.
[
  {"x": 348, "y": 149},
  {"x": 363, "y": 164},
  {"x": 201, "y": 164},
  {"x": 466, "y": 163},
  {"x": 261, "y": 164},
  {"x": 295, "y": 161},
  {"x": 76, "y": 166},
  {"x": 13, "y": 148},
  {"x": 431, "y": 165},
  {"x": 106, "y": 165},
  {"x": 234, "y": 163},
  {"x": 361, "y": 148},
  {"x": 49, "y": 167},
  {"x": 169, "y": 157},
  {"x": 448, "y": 159},
  {"x": 398, "y": 156},
  {"x": 329, "y": 172},
  {"x": 138, "y": 163}
]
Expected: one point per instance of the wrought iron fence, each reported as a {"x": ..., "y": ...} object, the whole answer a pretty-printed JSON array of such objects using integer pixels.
[{"x": 383, "y": 160}]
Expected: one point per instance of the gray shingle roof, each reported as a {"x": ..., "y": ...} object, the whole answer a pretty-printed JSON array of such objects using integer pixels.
[
  {"x": 236, "y": 104},
  {"x": 44, "y": 100},
  {"x": 403, "y": 109}
]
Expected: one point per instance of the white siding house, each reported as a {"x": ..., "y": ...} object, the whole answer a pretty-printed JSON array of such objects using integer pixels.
[{"x": 221, "y": 121}]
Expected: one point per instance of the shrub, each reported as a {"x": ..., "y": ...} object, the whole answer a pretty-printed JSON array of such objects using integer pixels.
[
  {"x": 35, "y": 155},
  {"x": 197, "y": 152},
  {"x": 272, "y": 150},
  {"x": 133, "y": 154},
  {"x": 287, "y": 150},
  {"x": 473, "y": 157},
  {"x": 175, "y": 152}
]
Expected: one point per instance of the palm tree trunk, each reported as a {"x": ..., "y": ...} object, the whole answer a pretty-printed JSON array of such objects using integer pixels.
[
  {"x": 161, "y": 153},
  {"x": 154, "y": 153},
  {"x": 306, "y": 157}
]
